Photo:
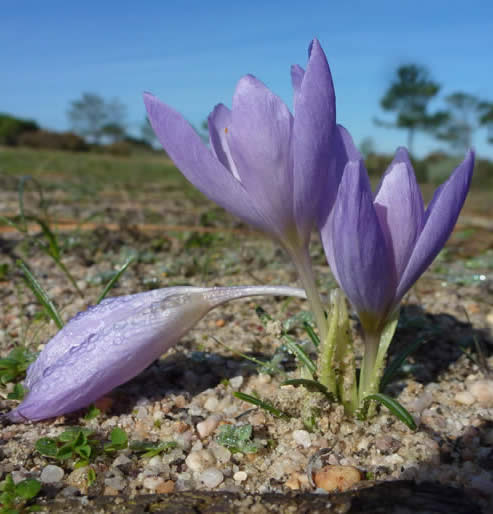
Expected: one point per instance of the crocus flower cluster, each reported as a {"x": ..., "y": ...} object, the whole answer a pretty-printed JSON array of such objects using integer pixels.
[{"x": 284, "y": 174}]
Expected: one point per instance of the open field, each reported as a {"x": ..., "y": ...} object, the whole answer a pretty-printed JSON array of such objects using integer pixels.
[{"x": 105, "y": 209}]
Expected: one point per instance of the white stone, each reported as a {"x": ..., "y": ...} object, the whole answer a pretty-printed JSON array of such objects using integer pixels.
[
  {"x": 51, "y": 474},
  {"x": 302, "y": 437},
  {"x": 482, "y": 390},
  {"x": 465, "y": 398},
  {"x": 211, "y": 477},
  {"x": 121, "y": 460},
  {"x": 211, "y": 404},
  {"x": 236, "y": 382},
  {"x": 206, "y": 427},
  {"x": 152, "y": 483},
  {"x": 240, "y": 476},
  {"x": 221, "y": 454},
  {"x": 117, "y": 483},
  {"x": 200, "y": 460}
]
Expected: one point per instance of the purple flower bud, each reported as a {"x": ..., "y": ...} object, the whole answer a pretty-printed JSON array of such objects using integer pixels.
[
  {"x": 112, "y": 342},
  {"x": 378, "y": 245}
]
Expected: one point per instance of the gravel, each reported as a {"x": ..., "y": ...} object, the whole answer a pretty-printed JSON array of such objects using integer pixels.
[{"x": 186, "y": 397}]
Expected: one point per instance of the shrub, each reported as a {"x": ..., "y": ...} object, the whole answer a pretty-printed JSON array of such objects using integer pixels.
[
  {"x": 11, "y": 128},
  {"x": 119, "y": 149},
  {"x": 53, "y": 140}
]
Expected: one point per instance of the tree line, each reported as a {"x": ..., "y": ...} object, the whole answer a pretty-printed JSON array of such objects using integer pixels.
[
  {"x": 409, "y": 96},
  {"x": 96, "y": 121}
]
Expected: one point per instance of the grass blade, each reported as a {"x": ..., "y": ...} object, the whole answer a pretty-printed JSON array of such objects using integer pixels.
[
  {"x": 114, "y": 279},
  {"x": 311, "y": 334},
  {"x": 301, "y": 355},
  {"x": 311, "y": 385},
  {"x": 11, "y": 223},
  {"x": 395, "y": 407},
  {"x": 260, "y": 403},
  {"x": 40, "y": 294}
]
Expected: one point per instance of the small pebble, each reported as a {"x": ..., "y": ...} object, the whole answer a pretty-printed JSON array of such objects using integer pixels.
[
  {"x": 121, "y": 460},
  {"x": 340, "y": 478},
  {"x": 211, "y": 404},
  {"x": 240, "y": 476},
  {"x": 78, "y": 478},
  {"x": 166, "y": 487},
  {"x": 51, "y": 474},
  {"x": 236, "y": 382},
  {"x": 200, "y": 460},
  {"x": 116, "y": 483},
  {"x": 155, "y": 463},
  {"x": 465, "y": 398},
  {"x": 152, "y": 483},
  {"x": 211, "y": 477},
  {"x": 221, "y": 454},
  {"x": 302, "y": 437},
  {"x": 206, "y": 427},
  {"x": 482, "y": 390}
]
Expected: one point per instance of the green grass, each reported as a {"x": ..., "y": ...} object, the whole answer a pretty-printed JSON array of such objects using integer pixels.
[{"x": 88, "y": 170}]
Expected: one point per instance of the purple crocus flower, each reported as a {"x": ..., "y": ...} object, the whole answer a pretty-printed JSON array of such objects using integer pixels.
[
  {"x": 275, "y": 171},
  {"x": 112, "y": 342},
  {"x": 264, "y": 165},
  {"x": 378, "y": 245}
]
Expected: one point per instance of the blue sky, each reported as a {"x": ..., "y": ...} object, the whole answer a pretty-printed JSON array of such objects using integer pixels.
[{"x": 191, "y": 54}]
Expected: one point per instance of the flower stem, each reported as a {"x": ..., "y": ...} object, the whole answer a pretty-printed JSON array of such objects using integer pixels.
[
  {"x": 303, "y": 264},
  {"x": 367, "y": 377}
]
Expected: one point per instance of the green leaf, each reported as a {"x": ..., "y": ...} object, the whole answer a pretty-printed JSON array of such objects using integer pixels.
[
  {"x": 81, "y": 463},
  {"x": 114, "y": 279},
  {"x": 91, "y": 476},
  {"x": 47, "y": 446},
  {"x": 311, "y": 385},
  {"x": 18, "y": 393},
  {"x": 311, "y": 334},
  {"x": 262, "y": 404},
  {"x": 119, "y": 440},
  {"x": 395, "y": 407},
  {"x": 84, "y": 451},
  {"x": 237, "y": 438},
  {"x": 65, "y": 452},
  {"x": 152, "y": 449},
  {"x": 72, "y": 433},
  {"x": 92, "y": 412},
  {"x": 301, "y": 355},
  {"x": 40, "y": 294},
  {"x": 28, "y": 489}
]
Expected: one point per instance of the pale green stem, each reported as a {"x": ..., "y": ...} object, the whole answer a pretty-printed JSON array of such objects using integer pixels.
[
  {"x": 366, "y": 380},
  {"x": 302, "y": 261},
  {"x": 325, "y": 368},
  {"x": 344, "y": 358},
  {"x": 376, "y": 346}
]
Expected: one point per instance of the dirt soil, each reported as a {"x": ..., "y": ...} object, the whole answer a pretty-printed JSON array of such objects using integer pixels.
[{"x": 187, "y": 396}]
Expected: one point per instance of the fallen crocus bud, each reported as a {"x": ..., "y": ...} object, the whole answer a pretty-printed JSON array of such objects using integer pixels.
[{"x": 110, "y": 343}]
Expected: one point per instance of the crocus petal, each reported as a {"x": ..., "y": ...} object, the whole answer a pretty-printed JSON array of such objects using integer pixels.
[
  {"x": 355, "y": 245},
  {"x": 314, "y": 125},
  {"x": 260, "y": 143},
  {"x": 83, "y": 369},
  {"x": 218, "y": 122},
  {"x": 198, "y": 163},
  {"x": 400, "y": 209},
  {"x": 439, "y": 221},
  {"x": 297, "y": 74},
  {"x": 343, "y": 150}
]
